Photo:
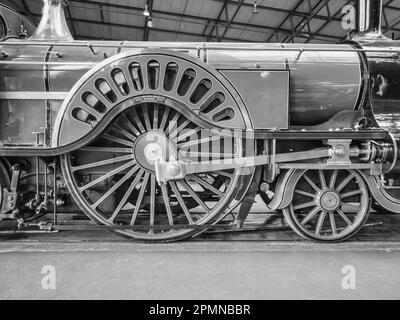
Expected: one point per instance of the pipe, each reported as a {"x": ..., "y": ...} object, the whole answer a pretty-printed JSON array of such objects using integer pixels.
[
  {"x": 369, "y": 18},
  {"x": 53, "y": 25}
]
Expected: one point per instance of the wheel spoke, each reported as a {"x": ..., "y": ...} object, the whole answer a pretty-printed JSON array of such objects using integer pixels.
[
  {"x": 174, "y": 135},
  {"x": 181, "y": 201},
  {"x": 206, "y": 185},
  {"x": 188, "y": 133},
  {"x": 333, "y": 179},
  {"x": 102, "y": 163},
  {"x": 342, "y": 214},
  {"x": 130, "y": 125},
  {"x": 116, "y": 186},
  {"x": 194, "y": 195},
  {"x": 320, "y": 223},
  {"x": 183, "y": 125},
  {"x": 138, "y": 122},
  {"x": 105, "y": 149},
  {"x": 152, "y": 200},
  {"x": 225, "y": 174},
  {"x": 310, "y": 215},
  {"x": 172, "y": 124},
  {"x": 117, "y": 140},
  {"x": 304, "y": 193},
  {"x": 124, "y": 132},
  {"x": 155, "y": 119},
  {"x": 164, "y": 119},
  {"x": 333, "y": 223},
  {"x": 146, "y": 117},
  {"x": 350, "y": 194},
  {"x": 312, "y": 184},
  {"x": 199, "y": 141},
  {"x": 140, "y": 197},
  {"x": 106, "y": 176},
  {"x": 127, "y": 195},
  {"x": 304, "y": 205},
  {"x": 166, "y": 203},
  {"x": 345, "y": 182},
  {"x": 322, "y": 179}
]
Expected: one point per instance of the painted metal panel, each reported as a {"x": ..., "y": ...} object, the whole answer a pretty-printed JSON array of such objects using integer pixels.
[{"x": 266, "y": 95}]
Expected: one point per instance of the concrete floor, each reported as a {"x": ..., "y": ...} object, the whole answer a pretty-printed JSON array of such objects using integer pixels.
[
  {"x": 200, "y": 270},
  {"x": 251, "y": 265}
]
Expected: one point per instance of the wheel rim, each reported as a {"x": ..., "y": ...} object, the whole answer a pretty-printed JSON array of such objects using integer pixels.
[
  {"x": 4, "y": 177},
  {"x": 113, "y": 178},
  {"x": 329, "y": 205},
  {"x": 4, "y": 173},
  {"x": 393, "y": 195}
]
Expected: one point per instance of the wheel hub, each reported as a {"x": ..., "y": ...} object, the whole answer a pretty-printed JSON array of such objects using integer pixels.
[
  {"x": 151, "y": 146},
  {"x": 329, "y": 201},
  {"x": 152, "y": 152}
]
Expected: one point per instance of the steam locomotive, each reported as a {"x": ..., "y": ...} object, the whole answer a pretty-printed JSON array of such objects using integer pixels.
[{"x": 160, "y": 141}]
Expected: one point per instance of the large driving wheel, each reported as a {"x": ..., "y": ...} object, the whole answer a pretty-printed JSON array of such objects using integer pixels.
[
  {"x": 328, "y": 205},
  {"x": 113, "y": 179},
  {"x": 162, "y": 105}
]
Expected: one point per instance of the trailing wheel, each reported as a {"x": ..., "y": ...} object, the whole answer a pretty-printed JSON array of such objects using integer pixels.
[{"x": 328, "y": 205}]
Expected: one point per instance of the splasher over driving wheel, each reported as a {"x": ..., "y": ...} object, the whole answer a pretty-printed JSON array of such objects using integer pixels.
[{"x": 165, "y": 108}]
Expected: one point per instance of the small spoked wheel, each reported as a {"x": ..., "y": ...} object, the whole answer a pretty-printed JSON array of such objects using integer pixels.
[
  {"x": 328, "y": 205},
  {"x": 113, "y": 179}
]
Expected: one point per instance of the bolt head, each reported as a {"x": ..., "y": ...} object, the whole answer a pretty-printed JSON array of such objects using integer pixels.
[{"x": 264, "y": 187}]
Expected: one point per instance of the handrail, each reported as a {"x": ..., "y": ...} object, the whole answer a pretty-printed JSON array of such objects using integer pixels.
[
  {"x": 43, "y": 63},
  {"x": 202, "y": 47}
]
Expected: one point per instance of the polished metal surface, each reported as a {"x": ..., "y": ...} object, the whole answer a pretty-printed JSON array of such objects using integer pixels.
[
  {"x": 369, "y": 18},
  {"x": 32, "y": 95},
  {"x": 53, "y": 25},
  {"x": 383, "y": 83}
]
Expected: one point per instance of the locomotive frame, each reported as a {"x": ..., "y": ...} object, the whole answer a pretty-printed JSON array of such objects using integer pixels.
[{"x": 148, "y": 114}]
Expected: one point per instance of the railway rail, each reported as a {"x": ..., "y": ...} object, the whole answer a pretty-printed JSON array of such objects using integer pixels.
[{"x": 269, "y": 228}]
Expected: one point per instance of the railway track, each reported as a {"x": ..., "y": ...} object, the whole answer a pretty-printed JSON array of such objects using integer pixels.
[{"x": 261, "y": 227}]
